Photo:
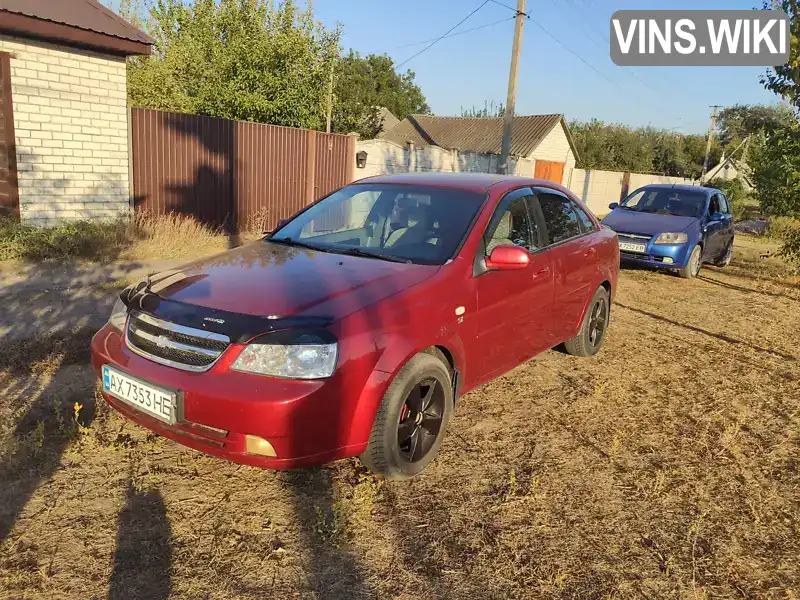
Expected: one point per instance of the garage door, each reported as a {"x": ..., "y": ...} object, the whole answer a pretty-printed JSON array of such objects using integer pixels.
[
  {"x": 9, "y": 197},
  {"x": 552, "y": 171}
]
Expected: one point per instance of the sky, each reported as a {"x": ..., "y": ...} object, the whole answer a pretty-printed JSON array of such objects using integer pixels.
[{"x": 470, "y": 69}]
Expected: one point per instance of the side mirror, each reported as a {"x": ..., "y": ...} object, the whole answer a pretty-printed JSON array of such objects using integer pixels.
[
  {"x": 613, "y": 205},
  {"x": 508, "y": 258},
  {"x": 716, "y": 217}
]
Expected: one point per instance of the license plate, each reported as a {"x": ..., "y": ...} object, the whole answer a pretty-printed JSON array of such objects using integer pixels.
[
  {"x": 156, "y": 402},
  {"x": 633, "y": 247}
]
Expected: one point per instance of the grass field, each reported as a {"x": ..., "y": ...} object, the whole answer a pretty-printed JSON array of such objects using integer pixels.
[{"x": 668, "y": 466}]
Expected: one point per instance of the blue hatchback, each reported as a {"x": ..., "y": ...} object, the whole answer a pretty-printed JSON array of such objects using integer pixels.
[{"x": 673, "y": 227}]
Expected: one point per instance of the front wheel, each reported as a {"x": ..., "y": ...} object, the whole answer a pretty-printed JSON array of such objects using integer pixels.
[
  {"x": 409, "y": 427},
  {"x": 692, "y": 267},
  {"x": 593, "y": 329}
]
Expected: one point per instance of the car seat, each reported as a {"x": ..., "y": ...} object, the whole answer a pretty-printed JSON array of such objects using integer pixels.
[
  {"x": 502, "y": 234},
  {"x": 411, "y": 228}
]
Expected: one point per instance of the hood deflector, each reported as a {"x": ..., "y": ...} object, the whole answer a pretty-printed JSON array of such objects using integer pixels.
[{"x": 239, "y": 328}]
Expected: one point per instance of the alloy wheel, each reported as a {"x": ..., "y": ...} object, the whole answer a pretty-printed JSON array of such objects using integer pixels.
[
  {"x": 420, "y": 420},
  {"x": 598, "y": 321},
  {"x": 696, "y": 262}
]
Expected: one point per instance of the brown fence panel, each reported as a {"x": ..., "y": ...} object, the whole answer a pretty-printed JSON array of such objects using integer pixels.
[{"x": 232, "y": 173}]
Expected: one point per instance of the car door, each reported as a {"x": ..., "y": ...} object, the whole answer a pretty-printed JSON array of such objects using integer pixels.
[
  {"x": 513, "y": 308},
  {"x": 714, "y": 232},
  {"x": 727, "y": 228},
  {"x": 572, "y": 245}
]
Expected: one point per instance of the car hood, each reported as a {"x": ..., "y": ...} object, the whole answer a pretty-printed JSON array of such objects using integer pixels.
[
  {"x": 267, "y": 279},
  {"x": 628, "y": 221}
]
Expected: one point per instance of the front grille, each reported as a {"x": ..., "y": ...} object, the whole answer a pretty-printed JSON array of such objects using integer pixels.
[
  {"x": 634, "y": 236},
  {"x": 174, "y": 345}
]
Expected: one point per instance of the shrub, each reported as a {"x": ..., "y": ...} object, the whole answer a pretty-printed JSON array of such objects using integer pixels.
[{"x": 159, "y": 236}]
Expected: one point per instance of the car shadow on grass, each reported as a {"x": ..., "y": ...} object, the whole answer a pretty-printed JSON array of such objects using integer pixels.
[{"x": 719, "y": 336}]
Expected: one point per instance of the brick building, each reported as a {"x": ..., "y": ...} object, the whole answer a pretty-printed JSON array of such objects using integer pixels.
[{"x": 63, "y": 113}]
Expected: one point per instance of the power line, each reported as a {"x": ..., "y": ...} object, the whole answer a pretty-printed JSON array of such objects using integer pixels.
[
  {"x": 484, "y": 3},
  {"x": 575, "y": 54},
  {"x": 454, "y": 34},
  {"x": 508, "y": 7}
]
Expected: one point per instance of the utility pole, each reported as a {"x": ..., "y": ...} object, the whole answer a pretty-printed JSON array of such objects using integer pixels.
[
  {"x": 508, "y": 117},
  {"x": 715, "y": 108},
  {"x": 330, "y": 98}
]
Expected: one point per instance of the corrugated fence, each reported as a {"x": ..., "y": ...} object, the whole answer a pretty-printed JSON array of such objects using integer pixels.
[{"x": 235, "y": 174}]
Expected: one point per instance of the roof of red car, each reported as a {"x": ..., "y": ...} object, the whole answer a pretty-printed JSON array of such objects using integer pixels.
[{"x": 479, "y": 182}]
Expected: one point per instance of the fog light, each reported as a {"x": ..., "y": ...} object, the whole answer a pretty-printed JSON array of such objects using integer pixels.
[
  {"x": 667, "y": 260},
  {"x": 257, "y": 445}
]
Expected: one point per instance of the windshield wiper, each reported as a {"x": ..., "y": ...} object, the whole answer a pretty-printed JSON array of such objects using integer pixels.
[
  {"x": 287, "y": 241},
  {"x": 355, "y": 251}
]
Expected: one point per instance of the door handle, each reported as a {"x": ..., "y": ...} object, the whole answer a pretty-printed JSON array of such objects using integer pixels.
[
  {"x": 590, "y": 252},
  {"x": 543, "y": 273}
]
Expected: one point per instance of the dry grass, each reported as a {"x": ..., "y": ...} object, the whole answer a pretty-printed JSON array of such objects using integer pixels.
[
  {"x": 666, "y": 467},
  {"x": 143, "y": 237}
]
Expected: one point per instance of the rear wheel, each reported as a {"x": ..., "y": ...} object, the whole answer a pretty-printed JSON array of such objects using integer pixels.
[
  {"x": 409, "y": 427},
  {"x": 692, "y": 267},
  {"x": 593, "y": 330}
]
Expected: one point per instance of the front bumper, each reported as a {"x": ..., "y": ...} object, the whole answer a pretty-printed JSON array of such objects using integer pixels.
[
  {"x": 676, "y": 255},
  {"x": 306, "y": 422}
]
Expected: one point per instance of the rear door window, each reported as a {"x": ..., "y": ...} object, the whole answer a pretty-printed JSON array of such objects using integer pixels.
[{"x": 560, "y": 217}]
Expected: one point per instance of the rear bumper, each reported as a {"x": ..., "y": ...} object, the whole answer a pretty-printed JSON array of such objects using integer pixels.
[{"x": 306, "y": 422}]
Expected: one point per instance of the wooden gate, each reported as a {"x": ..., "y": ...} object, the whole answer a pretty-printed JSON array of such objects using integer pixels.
[{"x": 552, "y": 171}]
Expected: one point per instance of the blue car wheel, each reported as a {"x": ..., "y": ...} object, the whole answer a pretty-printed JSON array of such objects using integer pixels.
[{"x": 694, "y": 263}]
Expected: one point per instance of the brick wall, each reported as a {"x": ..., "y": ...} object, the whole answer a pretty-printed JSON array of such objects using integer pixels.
[{"x": 71, "y": 129}]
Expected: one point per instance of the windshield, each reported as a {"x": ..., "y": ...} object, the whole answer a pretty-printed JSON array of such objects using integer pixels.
[
  {"x": 666, "y": 201},
  {"x": 394, "y": 222}
]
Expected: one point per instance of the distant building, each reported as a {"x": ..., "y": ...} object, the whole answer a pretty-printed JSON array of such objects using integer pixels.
[{"x": 543, "y": 138}]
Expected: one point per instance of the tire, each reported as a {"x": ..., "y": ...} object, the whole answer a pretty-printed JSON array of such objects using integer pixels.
[
  {"x": 593, "y": 330},
  {"x": 694, "y": 263},
  {"x": 726, "y": 258},
  {"x": 389, "y": 452}
]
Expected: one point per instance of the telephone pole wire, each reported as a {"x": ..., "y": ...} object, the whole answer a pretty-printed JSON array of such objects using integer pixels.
[
  {"x": 715, "y": 108},
  {"x": 508, "y": 117}
]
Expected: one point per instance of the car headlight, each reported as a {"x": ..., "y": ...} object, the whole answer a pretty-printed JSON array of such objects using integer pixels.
[
  {"x": 672, "y": 238},
  {"x": 292, "y": 356},
  {"x": 118, "y": 315}
]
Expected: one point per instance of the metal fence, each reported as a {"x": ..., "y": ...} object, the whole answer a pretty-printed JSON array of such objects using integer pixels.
[{"x": 235, "y": 174}]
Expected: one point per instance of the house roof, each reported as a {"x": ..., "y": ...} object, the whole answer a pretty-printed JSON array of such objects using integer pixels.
[
  {"x": 476, "y": 134},
  {"x": 387, "y": 119},
  {"x": 81, "y": 23}
]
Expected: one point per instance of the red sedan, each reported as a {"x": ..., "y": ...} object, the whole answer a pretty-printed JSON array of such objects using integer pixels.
[{"x": 354, "y": 328}]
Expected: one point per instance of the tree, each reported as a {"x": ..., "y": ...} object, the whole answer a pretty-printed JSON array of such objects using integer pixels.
[
  {"x": 365, "y": 84},
  {"x": 738, "y": 121},
  {"x": 775, "y": 160},
  {"x": 617, "y": 147},
  {"x": 253, "y": 60},
  {"x": 489, "y": 110},
  {"x": 784, "y": 79}
]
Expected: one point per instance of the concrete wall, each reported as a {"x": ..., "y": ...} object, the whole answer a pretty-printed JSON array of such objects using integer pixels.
[
  {"x": 387, "y": 157},
  {"x": 71, "y": 129},
  {"x": 555, "y": 147},
  {"x": 598, "y": 189}
]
